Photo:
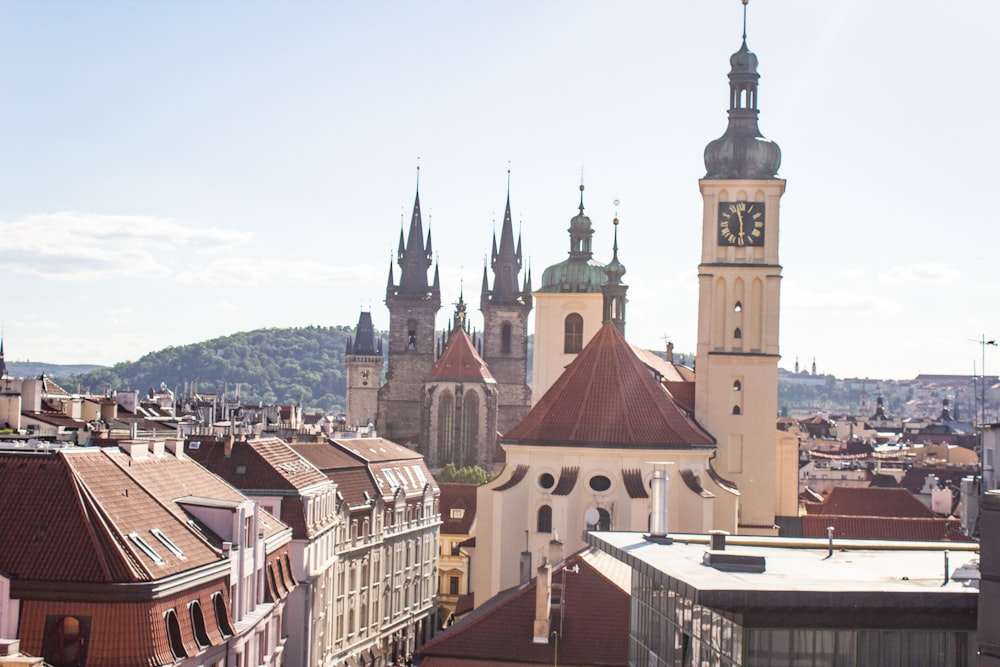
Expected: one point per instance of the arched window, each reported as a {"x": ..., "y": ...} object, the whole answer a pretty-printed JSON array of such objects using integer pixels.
[
  {"x": 470, "y": 428},
  {"x": 411, "y": 334},
  {"x": 604, "y": 519},
  {"x": 574, "y": 334},
  {"x": 198, "y": 623},
  {"x": 738, "y": 308},
  {"x": 738, "y": 333},
  {"x": 446, "y": 428},
  {"x": 737, "y": 386},
  {"x": 544, "y": 519},
  {"x": 222, "y": 615},
  {"x": 505, "y": 338},
  {"x": 736, "y": 410},
  {"x": 174, "y": 635}
]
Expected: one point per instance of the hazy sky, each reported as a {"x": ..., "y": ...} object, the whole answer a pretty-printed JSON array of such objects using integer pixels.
[{"x": 175, "y": 171}]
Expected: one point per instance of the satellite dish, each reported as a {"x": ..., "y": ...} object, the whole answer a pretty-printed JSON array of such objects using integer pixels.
[{"x": 591, "y": 516}]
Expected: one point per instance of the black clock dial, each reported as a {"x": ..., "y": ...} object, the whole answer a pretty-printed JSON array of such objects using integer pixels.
[{"x": 741, "y": 223}]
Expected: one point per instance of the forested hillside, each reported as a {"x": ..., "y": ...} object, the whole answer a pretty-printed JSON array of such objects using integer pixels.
[{"x": 271, "y": 365}]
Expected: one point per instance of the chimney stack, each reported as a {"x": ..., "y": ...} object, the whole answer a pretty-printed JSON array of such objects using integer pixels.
[{"x": 543, "y": 603}]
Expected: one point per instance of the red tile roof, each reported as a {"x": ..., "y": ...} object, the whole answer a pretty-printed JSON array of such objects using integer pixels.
[
  {"x": 871, "y": 502},
  {"x": 457, "y": 496},
  {"x": 264, "y": 465},
  {"x": 81, "y": 502},
  {"x": 350, "y": 474},
  {"x": 608, "y": 398},
  {"x": 460, "y": 361},
  {"x": 595, "y": 626},
  {"x": 884, "y": 528}
]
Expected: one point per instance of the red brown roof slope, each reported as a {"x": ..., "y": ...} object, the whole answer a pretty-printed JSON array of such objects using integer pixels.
[
  {"x": 595, "y": 624},
  {"x": 457, "y": 496},
  {"x": 460, "y": 361},
  {"x": 848, "y": 501},
  {"x": 268, "y": 463},
  {"x": 608, "y": 398},
  {"x": 884, "y": 528}
]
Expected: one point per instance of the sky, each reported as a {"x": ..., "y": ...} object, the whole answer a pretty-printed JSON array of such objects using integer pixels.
[{"x": 174, "y": 171}]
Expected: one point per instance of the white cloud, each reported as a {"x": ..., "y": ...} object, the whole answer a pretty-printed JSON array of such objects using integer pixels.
[
  {"x": 74, "y": 245},
  {"x": 928, "y": 272}
]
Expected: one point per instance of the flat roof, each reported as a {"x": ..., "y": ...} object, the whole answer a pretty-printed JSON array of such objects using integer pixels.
[{"x": 801, "y": 572}]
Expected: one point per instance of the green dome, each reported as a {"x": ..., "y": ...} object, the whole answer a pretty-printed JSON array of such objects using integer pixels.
[{"x": 574, "y": 275}]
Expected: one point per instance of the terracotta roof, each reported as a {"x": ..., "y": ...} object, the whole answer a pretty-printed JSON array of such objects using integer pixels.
[
  {"x": 871, "y": 502},
  {"x": 608, "y": 398},
  {"x": 595, "y": 625},
  {"x": 457, "y": 496},
  {"x": 265, "y": 465},
  {"x": 54, "y": 418},
  {"x": 84, "y": 503},
  {"x": 460, "y": 361},
  {"x": 372, "y": 450},
  {"x": 351, "y": 474},
  {"x": 884, "y": 528}
]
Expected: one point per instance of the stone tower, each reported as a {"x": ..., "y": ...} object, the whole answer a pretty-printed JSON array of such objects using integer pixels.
[
  {"x": 413, "y": 304},
  {"x": 505, "y": 310},
  {"x": 739, "y": 279},
  {"x": 363, "y": 362},
  {"x": 568, "y": 306}
]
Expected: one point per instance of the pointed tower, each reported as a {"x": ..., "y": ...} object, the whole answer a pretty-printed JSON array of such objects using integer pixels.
[
  {"x": 413, "y": 304},
  {"x": 614, "y": 289},
  {"x": 459, "y": 420},
  {"x": 739, "y": 279},
  {"x": 363, "y": 362},
  {"x": 505, "y": 311},
  {"x": 3, "y": 364},
  {"x": 569, "y": 306}
]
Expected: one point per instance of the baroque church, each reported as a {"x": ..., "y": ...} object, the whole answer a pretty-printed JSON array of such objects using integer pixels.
[{"x": 578, "y": 448}]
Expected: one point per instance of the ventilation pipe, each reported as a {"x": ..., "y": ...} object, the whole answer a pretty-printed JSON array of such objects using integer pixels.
[
  {"x": 660, "y": 492},
  {"x": 829, "y": 537}
]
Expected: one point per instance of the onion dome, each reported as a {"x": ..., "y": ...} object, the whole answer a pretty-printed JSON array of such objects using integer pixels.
[
  {"x": 580, "y": 272},
  {"x": 742, "y": 152}
]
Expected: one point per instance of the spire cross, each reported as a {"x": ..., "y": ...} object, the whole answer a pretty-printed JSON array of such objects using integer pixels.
[{"x": 418, "y": 165}]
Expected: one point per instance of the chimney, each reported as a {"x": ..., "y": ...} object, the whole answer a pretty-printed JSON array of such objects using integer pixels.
[
  {"x": 227, "y": 447},
  {"x": 658, "y": 518},
  {"x": 718, "y": 540},
  {"x": 136, "y": 449},
  {"x": 175, "y": 446},
  {"x": 157, "y": 448},
  {"x": 525, "y": 561},
  {"x": 555, "y": 550},
  {"x": 543, "y": 603}
]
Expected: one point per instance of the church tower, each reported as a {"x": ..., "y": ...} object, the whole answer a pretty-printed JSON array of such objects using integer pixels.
[
  {"x": 569, "y": 306},
  {"x": 739, "y": 279},
  {"x": 505, "y": 310},
  {"x": 413, "y": 304},
  {"x": 363, "y": 362}
]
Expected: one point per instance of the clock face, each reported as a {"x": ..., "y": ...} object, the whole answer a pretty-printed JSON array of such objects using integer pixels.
[
  {"x": 365, "y": 376},
  {"x": 741, "y": 223}
]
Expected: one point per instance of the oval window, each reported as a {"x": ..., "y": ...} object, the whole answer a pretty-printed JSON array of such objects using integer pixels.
[
  {"x": 600, "y": 483},
  {"x": 546, "y": 481}
]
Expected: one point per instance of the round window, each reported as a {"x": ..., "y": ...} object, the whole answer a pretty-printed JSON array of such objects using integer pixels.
[
  {"x": 600, "y": 483},
  {"x": 546, "y": 481}
]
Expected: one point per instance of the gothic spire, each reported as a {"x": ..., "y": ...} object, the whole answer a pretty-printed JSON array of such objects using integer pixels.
[
  {"x": 506, "y": 260},
  {"x": 415, "y": 258}
]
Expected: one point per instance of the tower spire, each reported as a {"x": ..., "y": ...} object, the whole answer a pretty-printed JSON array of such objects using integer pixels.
[
  {"x": 506, "y": 258},
  {"x": 614, "y": 289}
]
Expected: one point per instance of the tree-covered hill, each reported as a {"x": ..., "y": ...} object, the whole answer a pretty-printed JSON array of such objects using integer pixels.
[{"x": 271, "y": 365}]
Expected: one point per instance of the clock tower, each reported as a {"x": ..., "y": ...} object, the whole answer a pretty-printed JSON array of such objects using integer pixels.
[{"x": 739, "y": 280}]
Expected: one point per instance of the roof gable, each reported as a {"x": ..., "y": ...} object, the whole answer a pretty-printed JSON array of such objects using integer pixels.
[
  {"x": 460, "y": 361},
  {"x": 608, "y": 397}
]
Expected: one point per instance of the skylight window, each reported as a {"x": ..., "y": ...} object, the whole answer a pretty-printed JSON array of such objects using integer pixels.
[
  {"x": 420, "y": 474},
  {"x": 166, "y": 541},
  {"x": 392, "y": 478},
  {"x": 146, "y": 549}
]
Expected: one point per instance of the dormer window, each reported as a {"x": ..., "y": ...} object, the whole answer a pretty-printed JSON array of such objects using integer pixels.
[{"x": 457, "y": 513}]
